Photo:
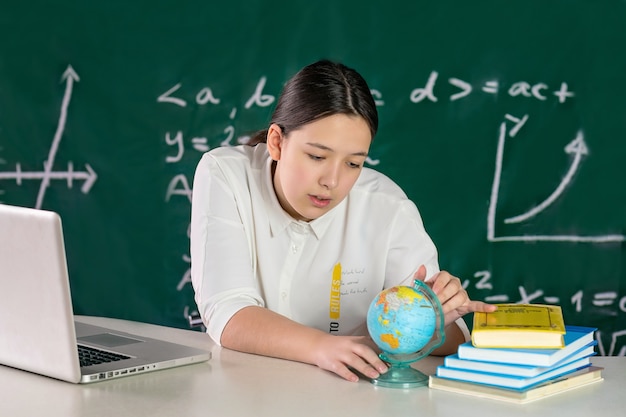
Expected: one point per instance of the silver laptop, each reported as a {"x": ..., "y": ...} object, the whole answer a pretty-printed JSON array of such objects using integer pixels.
[{"x": 37, "y": 328}]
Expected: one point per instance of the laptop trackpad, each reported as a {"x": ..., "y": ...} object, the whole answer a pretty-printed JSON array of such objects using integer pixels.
[{"x": 109, "y": 340}]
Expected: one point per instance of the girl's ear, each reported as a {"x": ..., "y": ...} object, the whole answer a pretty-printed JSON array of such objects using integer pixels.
[{"x": 274, "y": 141}]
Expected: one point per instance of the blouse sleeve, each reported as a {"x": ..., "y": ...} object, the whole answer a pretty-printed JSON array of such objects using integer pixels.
[
  {"x": 222, "y": 271},
  {"x": 411, "y": 246}
]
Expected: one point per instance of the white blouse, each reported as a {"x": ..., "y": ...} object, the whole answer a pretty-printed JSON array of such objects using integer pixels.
[{"x": 246, "y": 250}]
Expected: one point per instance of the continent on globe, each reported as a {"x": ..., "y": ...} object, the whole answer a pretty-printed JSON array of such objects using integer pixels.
[{"x": 401, "y": 320}]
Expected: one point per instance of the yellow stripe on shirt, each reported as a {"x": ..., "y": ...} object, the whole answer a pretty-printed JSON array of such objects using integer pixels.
[{"x": 335, "y": 293}]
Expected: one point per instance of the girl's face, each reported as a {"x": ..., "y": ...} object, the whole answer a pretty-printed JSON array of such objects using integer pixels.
[{"x": 318, "y": 164}]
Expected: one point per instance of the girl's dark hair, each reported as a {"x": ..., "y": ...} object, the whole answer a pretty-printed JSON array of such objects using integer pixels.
[{"x": 322, "y": 89}]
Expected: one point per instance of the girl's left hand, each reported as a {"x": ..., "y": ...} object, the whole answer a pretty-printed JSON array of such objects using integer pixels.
[{"x": 453, "y": 298}]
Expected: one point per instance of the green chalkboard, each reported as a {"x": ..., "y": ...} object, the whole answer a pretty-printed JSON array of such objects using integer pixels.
[{"x": 505, "y": 121}]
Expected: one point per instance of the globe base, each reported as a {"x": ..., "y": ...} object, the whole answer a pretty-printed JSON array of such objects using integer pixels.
[{"x": 401, "y": 376}]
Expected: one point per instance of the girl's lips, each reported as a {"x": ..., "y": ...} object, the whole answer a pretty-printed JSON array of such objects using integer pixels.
[{"x": 320, "y": 202}]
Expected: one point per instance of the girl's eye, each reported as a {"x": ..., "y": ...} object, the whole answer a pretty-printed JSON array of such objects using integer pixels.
[
  {"x": 315, "y": 157},
  {"x": 354, "y": 165}
]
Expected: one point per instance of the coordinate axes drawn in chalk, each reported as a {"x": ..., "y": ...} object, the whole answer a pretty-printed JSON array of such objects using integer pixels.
[
  {"x": 577, "y": 148},
  {"x": 48, "y": 174}
]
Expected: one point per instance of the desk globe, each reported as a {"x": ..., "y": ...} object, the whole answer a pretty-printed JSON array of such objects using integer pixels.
[{"x": 406, "y": 323}]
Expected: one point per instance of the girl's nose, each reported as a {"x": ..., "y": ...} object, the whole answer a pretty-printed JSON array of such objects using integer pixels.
[{"x": 330, "y": 179}]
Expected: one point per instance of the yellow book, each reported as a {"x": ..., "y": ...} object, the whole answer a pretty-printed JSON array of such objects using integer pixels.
[{"x": 520, "y": 326}]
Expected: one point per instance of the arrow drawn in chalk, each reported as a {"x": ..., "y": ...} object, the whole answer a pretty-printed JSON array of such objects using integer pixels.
[
  {"x": 578, "y": 147},
  {"x": 69, "y": 76},
  {"x": 89, "y": 175}
]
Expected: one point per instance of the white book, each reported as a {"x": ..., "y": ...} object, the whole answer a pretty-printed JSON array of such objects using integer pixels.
[{"x": 568, "y": 382}]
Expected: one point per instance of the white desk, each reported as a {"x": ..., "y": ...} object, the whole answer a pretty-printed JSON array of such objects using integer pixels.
[{"x": 237, "y": 384}]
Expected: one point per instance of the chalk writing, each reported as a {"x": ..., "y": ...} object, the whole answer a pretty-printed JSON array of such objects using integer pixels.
[
  {"x": 48, "y": 173},
  {"x": 577, "y": 148},
  {"x": 538, "y": 91},
  {"x": 616, "y": 337},
  {"x": 484, "y": 283},
  {"x": 600, "y": 299},
  {"x": 206, "y": 96},
  {"x": 179, "y": 185}
]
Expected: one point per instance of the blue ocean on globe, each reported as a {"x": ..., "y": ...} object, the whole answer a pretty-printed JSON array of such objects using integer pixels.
[{"x": 401, "y": 320}]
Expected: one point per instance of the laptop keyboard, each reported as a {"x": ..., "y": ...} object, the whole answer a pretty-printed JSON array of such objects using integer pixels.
[{"x": 92, "y": 356}]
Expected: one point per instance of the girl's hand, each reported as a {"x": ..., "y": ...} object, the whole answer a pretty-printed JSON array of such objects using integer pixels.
[
  {"x": 344, "y": 354},
  {"x": 453, "y": 298}
]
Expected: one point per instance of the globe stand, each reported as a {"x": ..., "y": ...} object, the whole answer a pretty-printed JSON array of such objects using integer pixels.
[{"x": 400, "y": 373}]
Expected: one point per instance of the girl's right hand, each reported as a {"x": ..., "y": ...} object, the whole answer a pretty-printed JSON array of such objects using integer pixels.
[{"x": 344, "y": 354}]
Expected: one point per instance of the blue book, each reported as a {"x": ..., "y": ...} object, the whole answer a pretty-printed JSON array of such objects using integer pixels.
[
  {"x": 576, "y": 337},
  {"x": 510, "y": 381},
  {"x": 453, "y": 361}
]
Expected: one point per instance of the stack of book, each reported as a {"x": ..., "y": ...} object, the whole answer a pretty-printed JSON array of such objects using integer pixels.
[{"x": 520, "y": 353}]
